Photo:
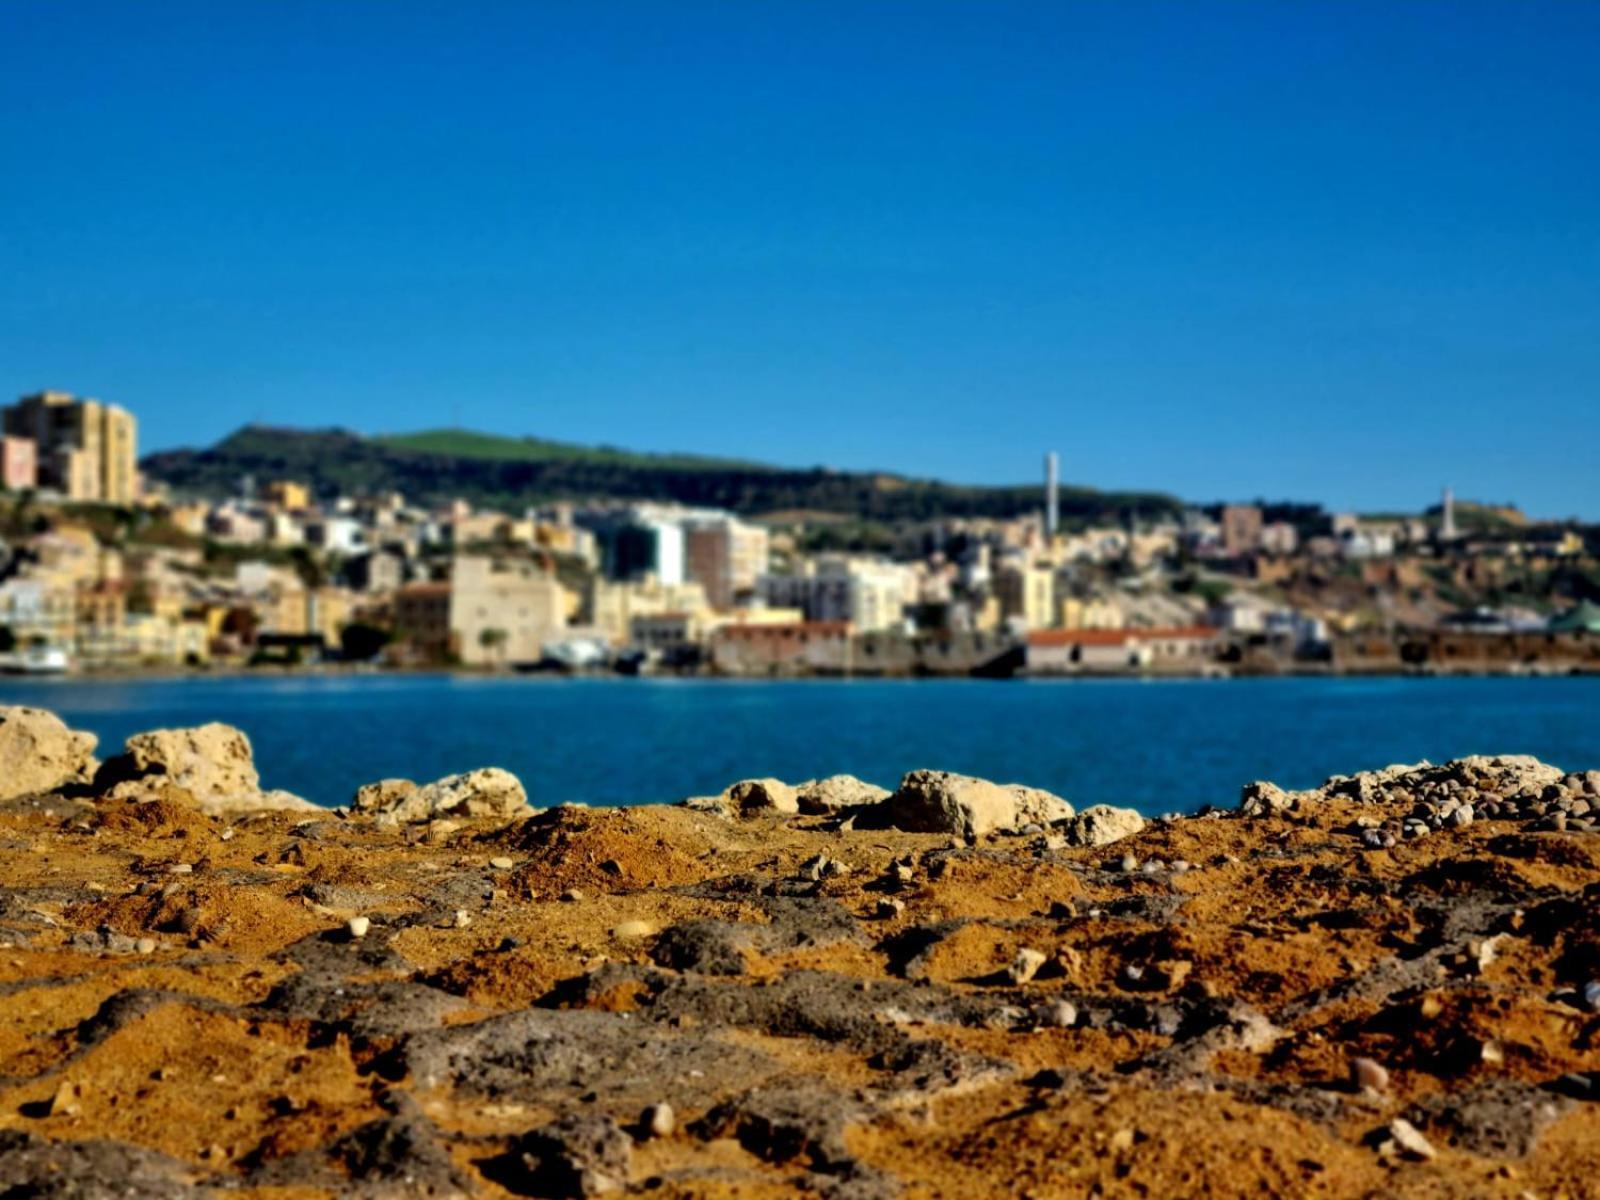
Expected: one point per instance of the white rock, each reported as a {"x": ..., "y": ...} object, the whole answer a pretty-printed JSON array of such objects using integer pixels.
[
  {"x": 358, "y": 927},
  {"x": 1408, "y": 1138},
  {"x": 1025, "y": 965}
]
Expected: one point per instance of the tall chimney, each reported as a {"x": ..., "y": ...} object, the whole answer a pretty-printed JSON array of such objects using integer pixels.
[{"x": 1052, "y": 488}]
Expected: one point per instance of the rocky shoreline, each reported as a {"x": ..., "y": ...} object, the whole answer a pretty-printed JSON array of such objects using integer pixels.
[{"x": 1389, "y": 985}]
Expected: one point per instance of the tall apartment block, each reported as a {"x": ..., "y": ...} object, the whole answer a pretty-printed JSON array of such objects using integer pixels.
[{"x": 84, "y": 449}]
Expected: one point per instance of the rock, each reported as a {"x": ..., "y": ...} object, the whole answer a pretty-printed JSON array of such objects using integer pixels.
[
  {"x": 1025, "y": 965},
  {"x": 581, "y": 1155},
  {"x": 1037, "y": 806},
  {"x": 486, "y": 792},
  {"x": 944, "y": 802},
  {"x": 1368, "y": 1074},
  {"x": 836, "y": 792},
  {"x": 1264, "y": 799},
  {"x": 383, "y": 796},
  {"x": 502, "y": 863},
  {"x": 1409, "y": 1141},
  {"x": 658, "y": 1121},
  {"x": 358, "y": 927},
  {"x": 1591, "y": 995},
  {"x": 762, "y": 795},
  {"x": 213, "y": 764},
  {"x": 66, "y": 1100},
  {"x": 1062, "y": 1014},
  {"x": 39, "y": 754},
  {"x": 1101, "y": 825},
  {"x": 145, "y": 945}
]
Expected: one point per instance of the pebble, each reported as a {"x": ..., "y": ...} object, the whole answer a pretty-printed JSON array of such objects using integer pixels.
[
  {"x": 1462, "y": 816},
  {"x": 358, "y": 927},
  {"x": 633, "y": 929},
  {"x": 1025, "y": 965},
  {"x": 1409, "y": 1140},
  {"x": 1591, "y": 995},
  {"x": 145, "y": 945},
  {"x": 502, "y": 863},
  {"x": 889, "y": 906},
  {"x": 658, "y": 1121},
  {"x": 1368, "y": 1074},
  {"x": 1063, "y": 1014},
  {"x": 65, "y": 1101},
  {"x": 571, "y": 896},
  {"x": 181, "y": 869},
  {"x": 1128, "y": 863},
  {"x": 463, "y": 918}
]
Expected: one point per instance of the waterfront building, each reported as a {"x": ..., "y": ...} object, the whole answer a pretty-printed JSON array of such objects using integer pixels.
[{"x": 503, "y": 611}]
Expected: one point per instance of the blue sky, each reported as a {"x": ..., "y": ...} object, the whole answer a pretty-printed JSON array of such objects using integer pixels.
[{"x": 1341, "y": 252}]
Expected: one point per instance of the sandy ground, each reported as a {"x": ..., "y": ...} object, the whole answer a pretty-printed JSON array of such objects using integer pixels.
[{"x": 827, "y": 1012}]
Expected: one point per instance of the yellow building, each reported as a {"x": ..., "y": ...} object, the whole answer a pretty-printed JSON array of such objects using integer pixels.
[
  {"x": 85, "y": 450},
  {"x": 1027, "y": 594},
  {"x": 1091, "y": 614},
  {"x": 287, "y": 495}
]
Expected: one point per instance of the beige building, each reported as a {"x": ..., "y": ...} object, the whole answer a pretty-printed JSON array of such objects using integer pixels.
[
  {"x": 1026, "y": 594},
  {"x": 503, "y": 611},
  {"x": 725, "y": 556},
  {"x": 84, "y": 449}
]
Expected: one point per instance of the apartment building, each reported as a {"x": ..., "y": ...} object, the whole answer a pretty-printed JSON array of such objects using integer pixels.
[
  {"x": 725, "y": 556},
  {"x": 83, "y": 449}
]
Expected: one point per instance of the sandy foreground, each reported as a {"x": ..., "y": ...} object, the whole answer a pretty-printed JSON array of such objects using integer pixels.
[{"x": 1318, "y": 999}]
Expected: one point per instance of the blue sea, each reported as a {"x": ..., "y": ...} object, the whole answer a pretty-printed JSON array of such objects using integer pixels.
[{"x": 1159, "y": 746}]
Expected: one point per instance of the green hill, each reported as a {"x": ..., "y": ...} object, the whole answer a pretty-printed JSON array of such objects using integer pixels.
[{"x": 512, "y": 473}]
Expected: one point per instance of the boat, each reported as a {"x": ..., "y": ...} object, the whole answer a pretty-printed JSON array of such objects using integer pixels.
[{"x": 36, "y": 660}]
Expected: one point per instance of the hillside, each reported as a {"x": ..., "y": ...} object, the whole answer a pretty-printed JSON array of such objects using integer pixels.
[{"x": 514, "y": 472}]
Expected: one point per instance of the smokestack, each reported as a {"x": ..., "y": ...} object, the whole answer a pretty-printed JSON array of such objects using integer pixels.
[{"x": 1052, "y": 488}]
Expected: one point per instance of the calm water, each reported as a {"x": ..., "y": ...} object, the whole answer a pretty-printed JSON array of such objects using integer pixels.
[{"x": 1158, "y": 746}]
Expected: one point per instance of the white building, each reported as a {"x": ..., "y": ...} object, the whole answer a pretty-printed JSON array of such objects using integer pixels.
[{"x": 870, "y": 594}]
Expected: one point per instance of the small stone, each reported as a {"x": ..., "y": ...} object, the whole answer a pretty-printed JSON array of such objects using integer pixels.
[
  {"x": 502, "y": 863},
  {"x": 629, "y": 930},
  {"x": 1025, "y": 965},
  {"x": 658, "y": 1121},
  {"x": 1128, "y": 864},
  {"x": 1409, "y": 1140},
  {"x": 145, "y": 945},
  {"x": 358, "y": 927},
  {"x": 1062, "y": 1014},
  {"x": 571, "y": 896},
  {"x": 181, "y": 869},
  {"x": 890, "y": 907},
  {"x": 463, "y": 918},
  {"x": 1121, "y": 1141},
  {"x": 1462, "y": 816},
  {"x": 66, "y": 1100},
  {"x": 1368, "y": 1075},
  {"x": 1591, "y": 995}
]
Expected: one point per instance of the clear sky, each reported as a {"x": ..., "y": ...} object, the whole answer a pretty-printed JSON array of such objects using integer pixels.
[{"x": 1340, "y": 252}]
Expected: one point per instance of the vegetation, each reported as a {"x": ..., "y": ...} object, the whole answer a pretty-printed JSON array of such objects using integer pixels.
[{"x": 511, "y": 473}]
